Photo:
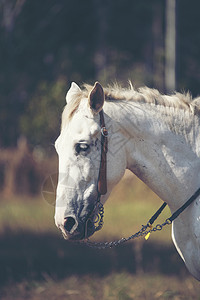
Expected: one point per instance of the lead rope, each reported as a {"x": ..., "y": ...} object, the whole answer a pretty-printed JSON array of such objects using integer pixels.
[
  {"x": 143, "y": 231},
  {"x": 146, "y": 229}
]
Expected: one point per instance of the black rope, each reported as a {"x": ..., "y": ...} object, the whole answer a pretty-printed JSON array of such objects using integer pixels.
[
  {"x": 184, "y": 206},
  {"x": 177, "y": 212},
  {"x": 157, "y": 213},
  {"x": 144, "y": 230}
]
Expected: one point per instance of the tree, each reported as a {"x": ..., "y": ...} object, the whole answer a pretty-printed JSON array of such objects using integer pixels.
[
  {"x": 170, "y": 46},
  {"x": 41, "y": 121}
]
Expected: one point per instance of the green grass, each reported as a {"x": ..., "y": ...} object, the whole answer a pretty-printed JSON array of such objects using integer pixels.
[
  {"x": 130, "y": 205},
  {"x": 32, "y": 214}
]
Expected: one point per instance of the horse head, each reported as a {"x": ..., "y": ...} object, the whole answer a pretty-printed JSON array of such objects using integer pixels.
[{"x": 79, "y": 148}]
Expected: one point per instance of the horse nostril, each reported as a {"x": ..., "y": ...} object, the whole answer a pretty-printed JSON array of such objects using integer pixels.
[{"x": 69, "y": 224}]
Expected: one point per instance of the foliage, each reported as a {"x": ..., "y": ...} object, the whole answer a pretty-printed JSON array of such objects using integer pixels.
[
  {"x": 42, "y": 116},
  {"x": 41, "y": 42}
]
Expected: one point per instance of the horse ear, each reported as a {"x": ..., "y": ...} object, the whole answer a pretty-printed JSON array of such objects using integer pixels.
[
  {"x": 96, "y": 98},
  {"x": 74, "y": 89}
]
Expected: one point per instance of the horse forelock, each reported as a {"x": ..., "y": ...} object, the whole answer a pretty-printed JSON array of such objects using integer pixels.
[{"x": 70, "y": 109}]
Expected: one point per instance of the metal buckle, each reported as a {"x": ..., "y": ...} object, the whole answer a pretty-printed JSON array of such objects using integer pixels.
[{"x": 104, "y": 131}]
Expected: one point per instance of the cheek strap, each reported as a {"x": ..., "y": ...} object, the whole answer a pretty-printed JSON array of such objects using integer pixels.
[{"x": 102, "y": 180}]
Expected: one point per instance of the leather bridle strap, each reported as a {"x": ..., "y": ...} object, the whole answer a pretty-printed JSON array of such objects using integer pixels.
[{"x": 102, "y": 180}]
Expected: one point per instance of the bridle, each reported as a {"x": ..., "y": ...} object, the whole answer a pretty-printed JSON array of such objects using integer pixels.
[
  {"x": 98, "y": 211},
  {"x": 102, "y": 190},
  {"x": 102, "y": 180}
]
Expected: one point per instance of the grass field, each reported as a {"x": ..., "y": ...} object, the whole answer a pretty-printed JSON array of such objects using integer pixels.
[{"x": 36, "y": 263}]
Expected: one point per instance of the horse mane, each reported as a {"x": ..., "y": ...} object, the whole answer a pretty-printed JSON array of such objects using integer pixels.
[
  {"x": 140, "y": 95},
  {"x": 148, "y": 95}
]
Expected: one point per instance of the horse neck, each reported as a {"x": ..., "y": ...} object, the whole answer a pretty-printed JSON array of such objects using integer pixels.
[{"x": 162, "y": 147}]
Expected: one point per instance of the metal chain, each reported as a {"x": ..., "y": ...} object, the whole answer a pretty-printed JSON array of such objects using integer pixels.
[{"x": 143, "y": 231}]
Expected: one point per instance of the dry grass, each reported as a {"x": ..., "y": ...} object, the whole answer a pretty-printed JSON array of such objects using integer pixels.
[{"x": 121, "y": 286}]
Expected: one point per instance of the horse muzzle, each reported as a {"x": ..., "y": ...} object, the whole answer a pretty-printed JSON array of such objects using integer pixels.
[{"x": 74, "y": 230}]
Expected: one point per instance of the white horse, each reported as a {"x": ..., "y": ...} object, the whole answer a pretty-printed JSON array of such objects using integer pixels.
[{"x": 155, "y": 136}]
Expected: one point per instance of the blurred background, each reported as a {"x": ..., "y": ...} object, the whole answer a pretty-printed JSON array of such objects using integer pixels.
[{"x": 44, "y": 46}]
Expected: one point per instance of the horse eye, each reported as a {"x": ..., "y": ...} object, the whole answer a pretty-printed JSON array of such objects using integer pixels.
[{"x": 81, "y": 147}]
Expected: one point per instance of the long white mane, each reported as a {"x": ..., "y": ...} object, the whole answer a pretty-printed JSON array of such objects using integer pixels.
[{"x": 177, "y": 101}]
